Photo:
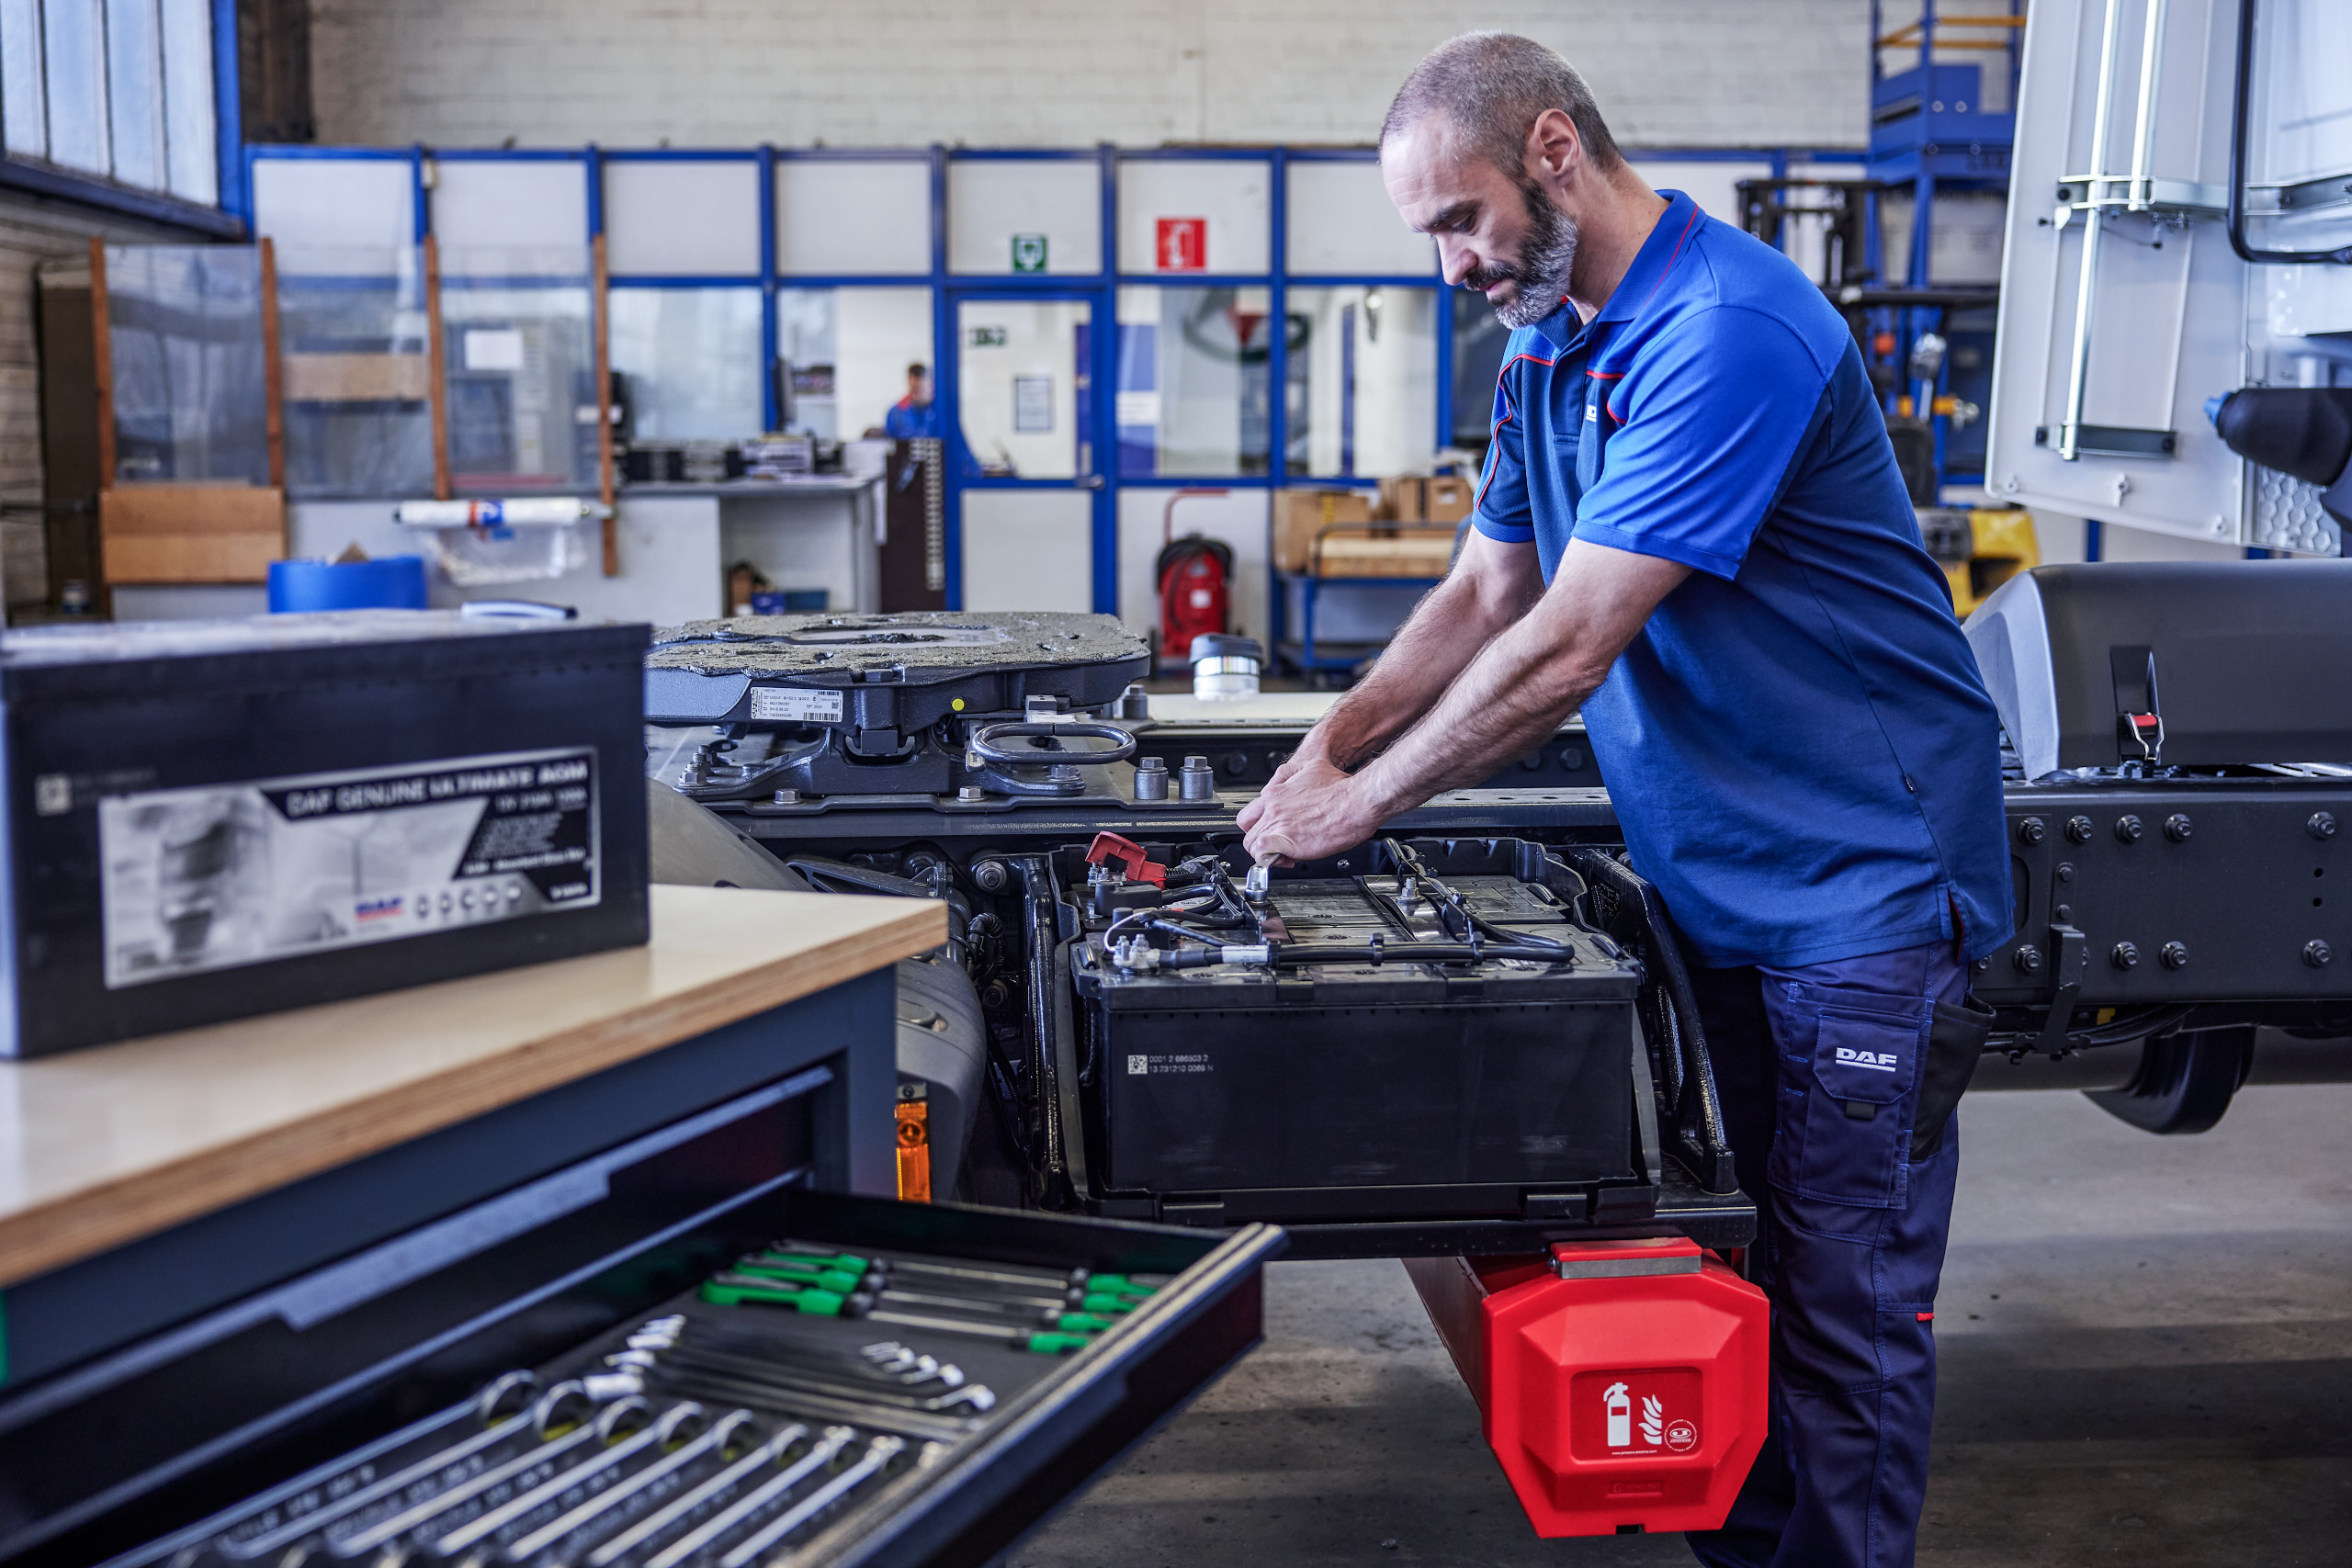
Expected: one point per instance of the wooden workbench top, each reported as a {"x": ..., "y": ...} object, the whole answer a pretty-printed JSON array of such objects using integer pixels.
[{"x": 103, "y": 1146}]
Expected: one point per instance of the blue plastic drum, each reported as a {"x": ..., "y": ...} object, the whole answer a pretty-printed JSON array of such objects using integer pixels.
[{"x": 392, "y": 582}]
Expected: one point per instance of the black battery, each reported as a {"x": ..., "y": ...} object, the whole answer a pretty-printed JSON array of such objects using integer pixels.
[
  {"x": 208, "y": 820},
  {"x": 1506, "y": 1085}
]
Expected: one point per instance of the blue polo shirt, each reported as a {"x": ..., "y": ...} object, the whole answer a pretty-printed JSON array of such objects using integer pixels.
[
  {"x": 1798, "y": 743},
  {"x": 908, "y": 419}
]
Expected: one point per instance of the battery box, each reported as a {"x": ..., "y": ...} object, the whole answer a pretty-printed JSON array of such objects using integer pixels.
[
  {"x": 211, "y": 820},
  {"x": 1388, "y": 1088}
]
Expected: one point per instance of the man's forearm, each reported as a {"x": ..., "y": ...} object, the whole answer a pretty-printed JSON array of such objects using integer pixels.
[
  {"x": 1436, "y": 643},
  {"x": 1514, "y": 695},
  {"x": 1529, "y": 679}
]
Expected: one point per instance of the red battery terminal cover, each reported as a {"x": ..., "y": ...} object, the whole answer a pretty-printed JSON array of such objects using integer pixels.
[
  {"x": 1623, "y": 1383},
  {"x": 1109, "y": 849}
]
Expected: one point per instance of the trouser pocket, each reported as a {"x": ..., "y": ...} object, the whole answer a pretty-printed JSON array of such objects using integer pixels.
[
  {"x": 1850, "y": 1096},
  {"x": 1956, "y": 1036}
]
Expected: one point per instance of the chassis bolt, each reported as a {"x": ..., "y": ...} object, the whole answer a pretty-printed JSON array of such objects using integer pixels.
[{"x": 1196, "y": 780}]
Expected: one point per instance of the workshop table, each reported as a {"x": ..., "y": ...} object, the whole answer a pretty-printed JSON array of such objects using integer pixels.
[{"x": 273, "y": 1174}]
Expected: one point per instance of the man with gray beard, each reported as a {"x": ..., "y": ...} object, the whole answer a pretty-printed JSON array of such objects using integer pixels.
[{"x": 1691, "y": 527}]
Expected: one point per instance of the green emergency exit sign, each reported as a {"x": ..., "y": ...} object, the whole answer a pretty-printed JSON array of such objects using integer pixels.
[{"x": 1028, "y": 252}]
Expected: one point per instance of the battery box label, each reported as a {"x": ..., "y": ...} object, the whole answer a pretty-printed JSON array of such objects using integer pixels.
[
  {"x": 1140, "y": 1064},
  {"x": 797, "y": 704},
  {"x": 214, "y": 876}
]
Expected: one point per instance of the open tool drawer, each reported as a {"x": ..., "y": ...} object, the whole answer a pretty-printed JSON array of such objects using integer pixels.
[{"x": 949, "y": 1492}]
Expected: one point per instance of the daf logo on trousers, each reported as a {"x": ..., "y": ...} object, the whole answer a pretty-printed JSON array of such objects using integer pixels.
[{"x": 1876, "y": 1061}]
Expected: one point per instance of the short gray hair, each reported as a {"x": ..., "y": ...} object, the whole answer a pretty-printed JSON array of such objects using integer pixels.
[{"x": 1492, "y": 87}]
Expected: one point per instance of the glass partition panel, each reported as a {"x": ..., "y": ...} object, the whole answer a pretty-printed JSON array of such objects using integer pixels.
[
  {"x": 1028, "y": 549},
  {"x": 356, "y": 211},
  {"x": 843, "y": 357},
  {"x": 518, "y": 359},
  {"x": 1478, "y": 339},
  {"x": 841, "y": 214},
  {"x": 1194, "y": 394},
  {"x": 1013, "y": 215},
  {"x": 682, "y": 217},
  {"x": 190, "y": 404},
  {"x": 1363, "y": 393},
  {"x": 73, "y": 47},
  {"x": 491, "y": 203},
  {"x": 1339, "y": 220},
  {"x": 24, "y": 97},
  {"x": 689, "y": 360},
  {"x": 135, "y": 92},
  {"x": 190, "y": 137},
  {"x": 351, "y": 331},
  {"x": 1179, "y": 214},
  {"x": 1022, "y": 386}
]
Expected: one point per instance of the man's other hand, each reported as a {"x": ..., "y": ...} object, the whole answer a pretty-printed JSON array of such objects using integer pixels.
[{"x": 1307, "y": 810}]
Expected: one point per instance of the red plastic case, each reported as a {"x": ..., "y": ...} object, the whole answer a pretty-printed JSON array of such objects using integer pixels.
[{"x": 1622, "y": 1382}]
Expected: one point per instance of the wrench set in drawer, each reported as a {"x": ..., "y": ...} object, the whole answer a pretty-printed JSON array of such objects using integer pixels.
[{"x": 814, "y": 1401}]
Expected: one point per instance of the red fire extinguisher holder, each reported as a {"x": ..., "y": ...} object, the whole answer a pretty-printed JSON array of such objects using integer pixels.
[{"x": 1623, "y": 1383}]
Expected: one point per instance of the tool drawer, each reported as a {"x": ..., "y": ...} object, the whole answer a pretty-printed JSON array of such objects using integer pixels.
[{"x": 702, "y": 1396}]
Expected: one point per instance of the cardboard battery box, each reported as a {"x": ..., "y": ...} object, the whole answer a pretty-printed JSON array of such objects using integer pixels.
[
  {"x": 211, "y": 820},
  {"x": 1300, "y": 514}
]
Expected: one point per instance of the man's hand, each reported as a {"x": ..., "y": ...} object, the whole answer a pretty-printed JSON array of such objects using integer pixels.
[{"x": 1307, "y": 810}]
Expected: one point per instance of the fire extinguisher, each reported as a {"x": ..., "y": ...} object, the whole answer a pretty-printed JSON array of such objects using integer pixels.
[{"x": 1195, "y": 580}]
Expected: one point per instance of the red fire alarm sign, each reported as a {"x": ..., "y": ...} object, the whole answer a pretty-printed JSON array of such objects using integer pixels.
[{"x": 1183, "y": 245}]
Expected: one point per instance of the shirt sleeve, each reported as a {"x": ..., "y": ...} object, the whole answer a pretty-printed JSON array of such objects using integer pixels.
[
  {"x": 1501, "y": 509},
  {"x": 1705, "y": 429}
]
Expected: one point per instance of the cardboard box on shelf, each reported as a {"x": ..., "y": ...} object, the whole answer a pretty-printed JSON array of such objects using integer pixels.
[
  {"x": 1410, "y": 551},
  {"x": 1401, "y": 499},
  {"x": 1446, "y": 498},
  {"x": 1300, "y": 514}
]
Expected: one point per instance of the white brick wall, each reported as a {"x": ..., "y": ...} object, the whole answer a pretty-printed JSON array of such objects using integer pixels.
[{"x": 1046, "y": 73}]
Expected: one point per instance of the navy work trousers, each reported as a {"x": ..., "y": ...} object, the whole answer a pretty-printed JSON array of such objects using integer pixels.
[{"x": 1820, "y": 1068}]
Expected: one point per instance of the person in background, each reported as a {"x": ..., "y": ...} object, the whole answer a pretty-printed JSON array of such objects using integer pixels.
[{"x": 914, "y": 414}]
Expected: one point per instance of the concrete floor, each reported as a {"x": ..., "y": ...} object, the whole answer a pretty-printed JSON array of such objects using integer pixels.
[{"x": 2147, "y": 1358}]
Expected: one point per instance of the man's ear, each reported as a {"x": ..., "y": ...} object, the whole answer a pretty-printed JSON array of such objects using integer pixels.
[{"x": 1555, "y": 151}]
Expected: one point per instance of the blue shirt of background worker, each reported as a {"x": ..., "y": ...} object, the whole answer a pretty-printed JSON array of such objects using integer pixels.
[
  {"x": 1798, "y": 745},
  {"x": 915, "y": 415}
]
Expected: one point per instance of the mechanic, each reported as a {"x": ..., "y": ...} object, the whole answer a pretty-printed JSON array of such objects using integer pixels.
[
  {"x": 915, "y": 414},
  {"x": 1690, "y": 526}
]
